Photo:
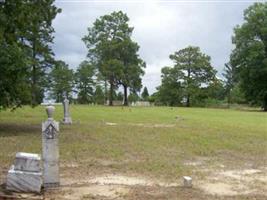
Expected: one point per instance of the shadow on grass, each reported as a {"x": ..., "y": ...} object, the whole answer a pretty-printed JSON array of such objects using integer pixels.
[{"x": 12, "y": 129}]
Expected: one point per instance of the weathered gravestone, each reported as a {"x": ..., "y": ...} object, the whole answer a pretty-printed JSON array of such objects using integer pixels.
[
  {"x": 66, "y": 105},
  {"x": 25, "y": 175},
  {"x": 50, "y": 133}
]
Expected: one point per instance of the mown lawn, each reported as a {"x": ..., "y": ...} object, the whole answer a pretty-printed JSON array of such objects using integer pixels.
[{"x": 154, "y": 141}]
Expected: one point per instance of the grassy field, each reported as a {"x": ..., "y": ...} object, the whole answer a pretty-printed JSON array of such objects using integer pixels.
[{"x": 149, "y": 141}]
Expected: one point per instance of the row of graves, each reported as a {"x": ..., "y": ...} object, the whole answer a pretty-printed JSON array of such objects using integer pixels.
[{"x": 32, "y": 172}]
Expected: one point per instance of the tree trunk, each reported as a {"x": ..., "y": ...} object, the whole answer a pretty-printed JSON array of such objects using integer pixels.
[
  {"x": 188, "y": 101},
  {"x": 106, "y": 91},
  {"x": 265, "y": 103},
  {"x": 111, "y": 93},
  {"x": 188, "y": 85},
  {"x": 33, "y": 83},
  {"x": 228, "y": 100},
  {"x": 125, "y": 96}
]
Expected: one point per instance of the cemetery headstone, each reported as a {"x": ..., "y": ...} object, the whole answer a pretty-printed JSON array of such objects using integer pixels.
[
  {"x": 66, "y": 105},
  {"x": 50, "y": 133},
  {"x": 25, "y": 175}
]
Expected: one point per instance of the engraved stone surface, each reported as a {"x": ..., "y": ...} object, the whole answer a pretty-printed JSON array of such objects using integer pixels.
[
  {"x": 67, "y": 119},
  {"x": 22, "y": 181},
  {"x": 50, "y": 150},
  {"x": 27, "y": 162}
]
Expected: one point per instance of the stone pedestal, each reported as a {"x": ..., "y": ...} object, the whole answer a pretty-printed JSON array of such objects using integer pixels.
[
  {"x": 23, "y": 181},
  {"x": 67, "y": 119},
  {"x": 50, "y": 132},
  {"x": 25, "y": 175}
]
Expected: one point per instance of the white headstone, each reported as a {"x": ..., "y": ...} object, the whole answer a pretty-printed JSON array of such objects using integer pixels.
[
  {"x": 50, "y": 132},
  {"x": 67, "y": 119}
]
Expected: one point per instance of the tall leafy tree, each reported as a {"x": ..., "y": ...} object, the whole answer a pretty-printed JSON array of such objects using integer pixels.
[
  {"x": 62, "y": 81},
  {"x": 110, "y": 47},
  {"x": 132, "y": 68},
  {"x": 85, "y": 82},
  {"x": 133, "y": 96},
  {"x": 194, "y": 68},
  {"x": 170, "y": 91},
  {"x": 14, "y": 83},
  {"x": 38, "y": 40},
  {"x": 230, "y": 80},
  {"x": 249, "y": 56},
  {"x": 216, "y": 89},
  {"x": 99, "y": 96},
  {"x": 25, "y": 43},
  {"x": 145, "y": 94}
]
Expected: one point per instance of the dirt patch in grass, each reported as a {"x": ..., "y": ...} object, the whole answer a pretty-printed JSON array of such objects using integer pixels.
[
  {"x": 218, "y": 185},
  {"x": 231, "y": 182},
  {"x": 95, "y": 191},
  {"x": 117, "y": 179},
  {"x": 234, "y": 182}
]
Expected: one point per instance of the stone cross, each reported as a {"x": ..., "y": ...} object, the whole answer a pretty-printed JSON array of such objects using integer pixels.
[
  {"x": 67, "y": 118},
  {"x": 50, "y": 133}
]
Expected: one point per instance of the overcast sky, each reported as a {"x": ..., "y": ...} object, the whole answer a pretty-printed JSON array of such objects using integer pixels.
[{"x": 160, "y": 28}]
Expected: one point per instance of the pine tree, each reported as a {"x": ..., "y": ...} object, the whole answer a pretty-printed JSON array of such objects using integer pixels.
[{"x": 145, "y": 94}]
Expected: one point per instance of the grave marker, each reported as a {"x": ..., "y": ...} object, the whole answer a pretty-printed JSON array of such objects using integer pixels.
[
  {"x": 67, "y": 119},
  {"x": 25, "y": 175},
  {"x": 50, "y": 133}
]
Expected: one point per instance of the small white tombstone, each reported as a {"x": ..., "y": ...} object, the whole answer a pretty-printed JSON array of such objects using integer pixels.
[
  {"x": 67, "y": 119},
  {"x": 187, "y": 181},
  {"x": 50, "y": 132}
]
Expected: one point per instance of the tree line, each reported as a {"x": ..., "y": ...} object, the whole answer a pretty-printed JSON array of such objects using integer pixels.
[{"x": 29, "y": 71}]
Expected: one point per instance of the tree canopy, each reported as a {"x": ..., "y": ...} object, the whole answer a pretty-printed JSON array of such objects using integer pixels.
[
  {"x": 145, "y": 94},
  {"x": 29, "y": 71},
  {"x": 193, "y": 69},
  {"x": 25, "y": 50},
  {"x": 111, "y": 49},
  {"x": 249, "y": 56},
  {"x": 62, "y": 81},
  {"x": 85, "y": 82}
]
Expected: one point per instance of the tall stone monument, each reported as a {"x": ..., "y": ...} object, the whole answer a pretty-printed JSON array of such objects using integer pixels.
[
  {"x": 66, "y": 105},
  {"x": 50, "y": 133}
]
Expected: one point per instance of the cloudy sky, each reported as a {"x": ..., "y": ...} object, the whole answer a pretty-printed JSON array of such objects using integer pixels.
[{"x": 160, "y": 28}]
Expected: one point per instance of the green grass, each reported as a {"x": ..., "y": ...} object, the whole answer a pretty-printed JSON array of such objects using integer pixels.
[{"x": 134, "y": 145}]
